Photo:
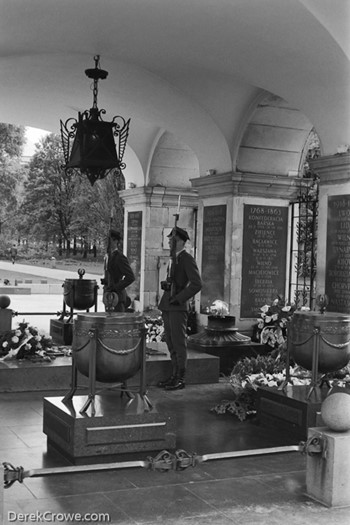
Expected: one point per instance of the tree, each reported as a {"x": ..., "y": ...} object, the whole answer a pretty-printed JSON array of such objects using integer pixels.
[
  {"x": 64, "y": 207},
  {"x": 49, "y": 194},
  {"x": 100, "y": 208},
  {"x": 12, "y": 139}
]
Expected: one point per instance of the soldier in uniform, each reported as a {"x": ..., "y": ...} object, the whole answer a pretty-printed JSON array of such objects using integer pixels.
[
  {"x": 182, "y": 283},
  {"x": 117, "y": 273}
]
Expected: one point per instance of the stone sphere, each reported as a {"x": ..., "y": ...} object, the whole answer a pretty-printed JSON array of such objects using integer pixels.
[
  {"x": 335, "y": 411},
  {"x": 5, "y": 301}
]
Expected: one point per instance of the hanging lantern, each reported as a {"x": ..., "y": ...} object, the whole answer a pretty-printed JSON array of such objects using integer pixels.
[{"x": 91, "y": 146}]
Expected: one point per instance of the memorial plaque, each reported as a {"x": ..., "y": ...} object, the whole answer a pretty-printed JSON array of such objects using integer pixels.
[
  {"x": 213, "y": 255},
  {"x": 134, "y": 251},
  {"x": 338, "y": 254},
  {"x": 265, "y": 230}
]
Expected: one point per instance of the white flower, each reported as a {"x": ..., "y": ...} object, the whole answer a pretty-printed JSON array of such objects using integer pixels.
[
  {"x": 13, "y": 352},
  {"x": 271, "y": 383},
  {"x": 37, "y": 338},
  {"x": 14, "y": 339},
  {"x": 268, "y": 319},
  {"x": 27, "y": 347},
  {"x": 5, "y": 344},
  {"x": 286, "y": 308},
  {"x": 265, "y": 308},
  {"x": 18, "y": 333},
  {"x": 275, "y": 317}
]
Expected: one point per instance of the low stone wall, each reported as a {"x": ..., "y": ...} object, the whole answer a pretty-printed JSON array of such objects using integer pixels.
[{"x": 32, "y": 288}]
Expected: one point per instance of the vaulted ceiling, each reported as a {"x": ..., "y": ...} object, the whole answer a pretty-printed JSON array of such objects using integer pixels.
[{"x": 196, "y": 69}]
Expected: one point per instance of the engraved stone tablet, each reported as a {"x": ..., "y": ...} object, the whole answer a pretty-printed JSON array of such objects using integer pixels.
[
  {"x": 264, "y": 256},
  {"x": 338, "y": 254}
]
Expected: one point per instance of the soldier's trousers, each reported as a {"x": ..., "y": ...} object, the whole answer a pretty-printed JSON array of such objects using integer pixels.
[{"x": 175, "y": 327}]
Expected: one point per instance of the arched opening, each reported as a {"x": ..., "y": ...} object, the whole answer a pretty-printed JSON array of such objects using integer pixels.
[{"x": 173, "y": 163}]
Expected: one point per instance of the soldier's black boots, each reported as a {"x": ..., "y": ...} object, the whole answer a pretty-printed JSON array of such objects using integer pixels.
[
  {"x": 179, "y": 382},
  {"x": 166, "y": 382}
]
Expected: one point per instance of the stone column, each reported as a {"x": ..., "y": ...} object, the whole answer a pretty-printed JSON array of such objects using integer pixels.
[
  {"x": 158, "y": 205},
  {"x": 236, "y": 190},
  {"x": 333, "y": 243}
]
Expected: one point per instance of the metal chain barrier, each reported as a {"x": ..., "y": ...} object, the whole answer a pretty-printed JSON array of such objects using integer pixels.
[{"x": 163, "y": 462}]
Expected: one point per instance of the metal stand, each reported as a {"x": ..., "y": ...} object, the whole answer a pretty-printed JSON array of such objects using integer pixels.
[
  {"x": 316, "y": 381},
  {"x": 142, "y": 392},
  {"x": 71, "y": 301}
]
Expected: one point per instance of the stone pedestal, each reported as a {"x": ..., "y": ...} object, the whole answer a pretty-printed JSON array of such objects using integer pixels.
[
  {"x": 5, "y": 320},
  {"x": 222, "y": 339},
  {"x": 290, "y": 410},
  {"x": 120, "y": 425},
  {"x": 328, "y": 478},
  {"x": 61, "y": 331}
]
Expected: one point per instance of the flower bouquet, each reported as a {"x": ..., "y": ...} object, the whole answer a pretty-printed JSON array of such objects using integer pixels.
[
  {"x": 271, "y": 328},
  {"x": 154, "y": 329},
  {"x": 24, "y": 342}
]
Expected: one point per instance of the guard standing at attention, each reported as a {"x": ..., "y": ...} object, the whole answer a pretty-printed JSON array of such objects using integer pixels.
[
  {"x": 117, "y": 274},
  {"x": 182, "y": 283}
]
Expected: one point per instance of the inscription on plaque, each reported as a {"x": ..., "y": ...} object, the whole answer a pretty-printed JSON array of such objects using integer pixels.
[
  {"x": 134, "y": 250},
  {"x": 338, "y": 254},
  {"x": 213, "y": 255},
  {"x": 264, "y": 256}
]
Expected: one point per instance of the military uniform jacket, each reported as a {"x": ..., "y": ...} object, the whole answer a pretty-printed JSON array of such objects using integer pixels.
[
  {"x": 118, "y": 274},
  {"x": 187, "y": 283}
]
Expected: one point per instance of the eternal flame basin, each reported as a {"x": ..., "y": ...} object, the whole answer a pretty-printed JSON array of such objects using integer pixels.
[
  {"x": 327, "y": 333},
  {"x": 115, "y": 338}
]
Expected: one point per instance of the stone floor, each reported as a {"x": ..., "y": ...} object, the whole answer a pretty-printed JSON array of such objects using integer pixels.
[{"x": 255, "y": 490}]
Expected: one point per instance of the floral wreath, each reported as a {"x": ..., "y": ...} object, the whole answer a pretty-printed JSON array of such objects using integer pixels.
[
  {"x": 23, "y": 342},
  {"x": 271, "y": 327}
]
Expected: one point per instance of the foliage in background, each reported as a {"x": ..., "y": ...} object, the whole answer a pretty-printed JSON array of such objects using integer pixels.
[
  {"x": 12, "y": 140},
  {"x": 64, "y": 212},
  {"x": 48, "y": 205}
]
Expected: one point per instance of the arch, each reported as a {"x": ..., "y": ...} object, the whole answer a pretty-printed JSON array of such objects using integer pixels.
[
  {"x": 274, "y": 138},
  {"x": 173, "y": 163}
]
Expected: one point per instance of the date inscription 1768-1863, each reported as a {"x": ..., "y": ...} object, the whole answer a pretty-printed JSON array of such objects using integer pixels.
[{"x": 264, "y": 256}]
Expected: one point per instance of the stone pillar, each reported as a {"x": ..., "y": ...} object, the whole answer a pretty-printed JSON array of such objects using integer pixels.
[
  {"x": 215, "y": 193},
  {"x": 333, "y": 246},
  {"x": 328, "y": 475},
  {"x": 158, "y": 205},
  {"x": 236, "y": 190}
]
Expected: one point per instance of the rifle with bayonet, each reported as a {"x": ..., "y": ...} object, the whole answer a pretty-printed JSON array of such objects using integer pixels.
[{"x": 169, "y": 284}]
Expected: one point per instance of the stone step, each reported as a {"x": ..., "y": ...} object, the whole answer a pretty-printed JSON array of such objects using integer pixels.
[{"x": 26, "y": 376}]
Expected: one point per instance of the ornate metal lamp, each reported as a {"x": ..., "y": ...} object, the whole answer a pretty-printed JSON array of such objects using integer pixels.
[{"x": 89, "y": 143}]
